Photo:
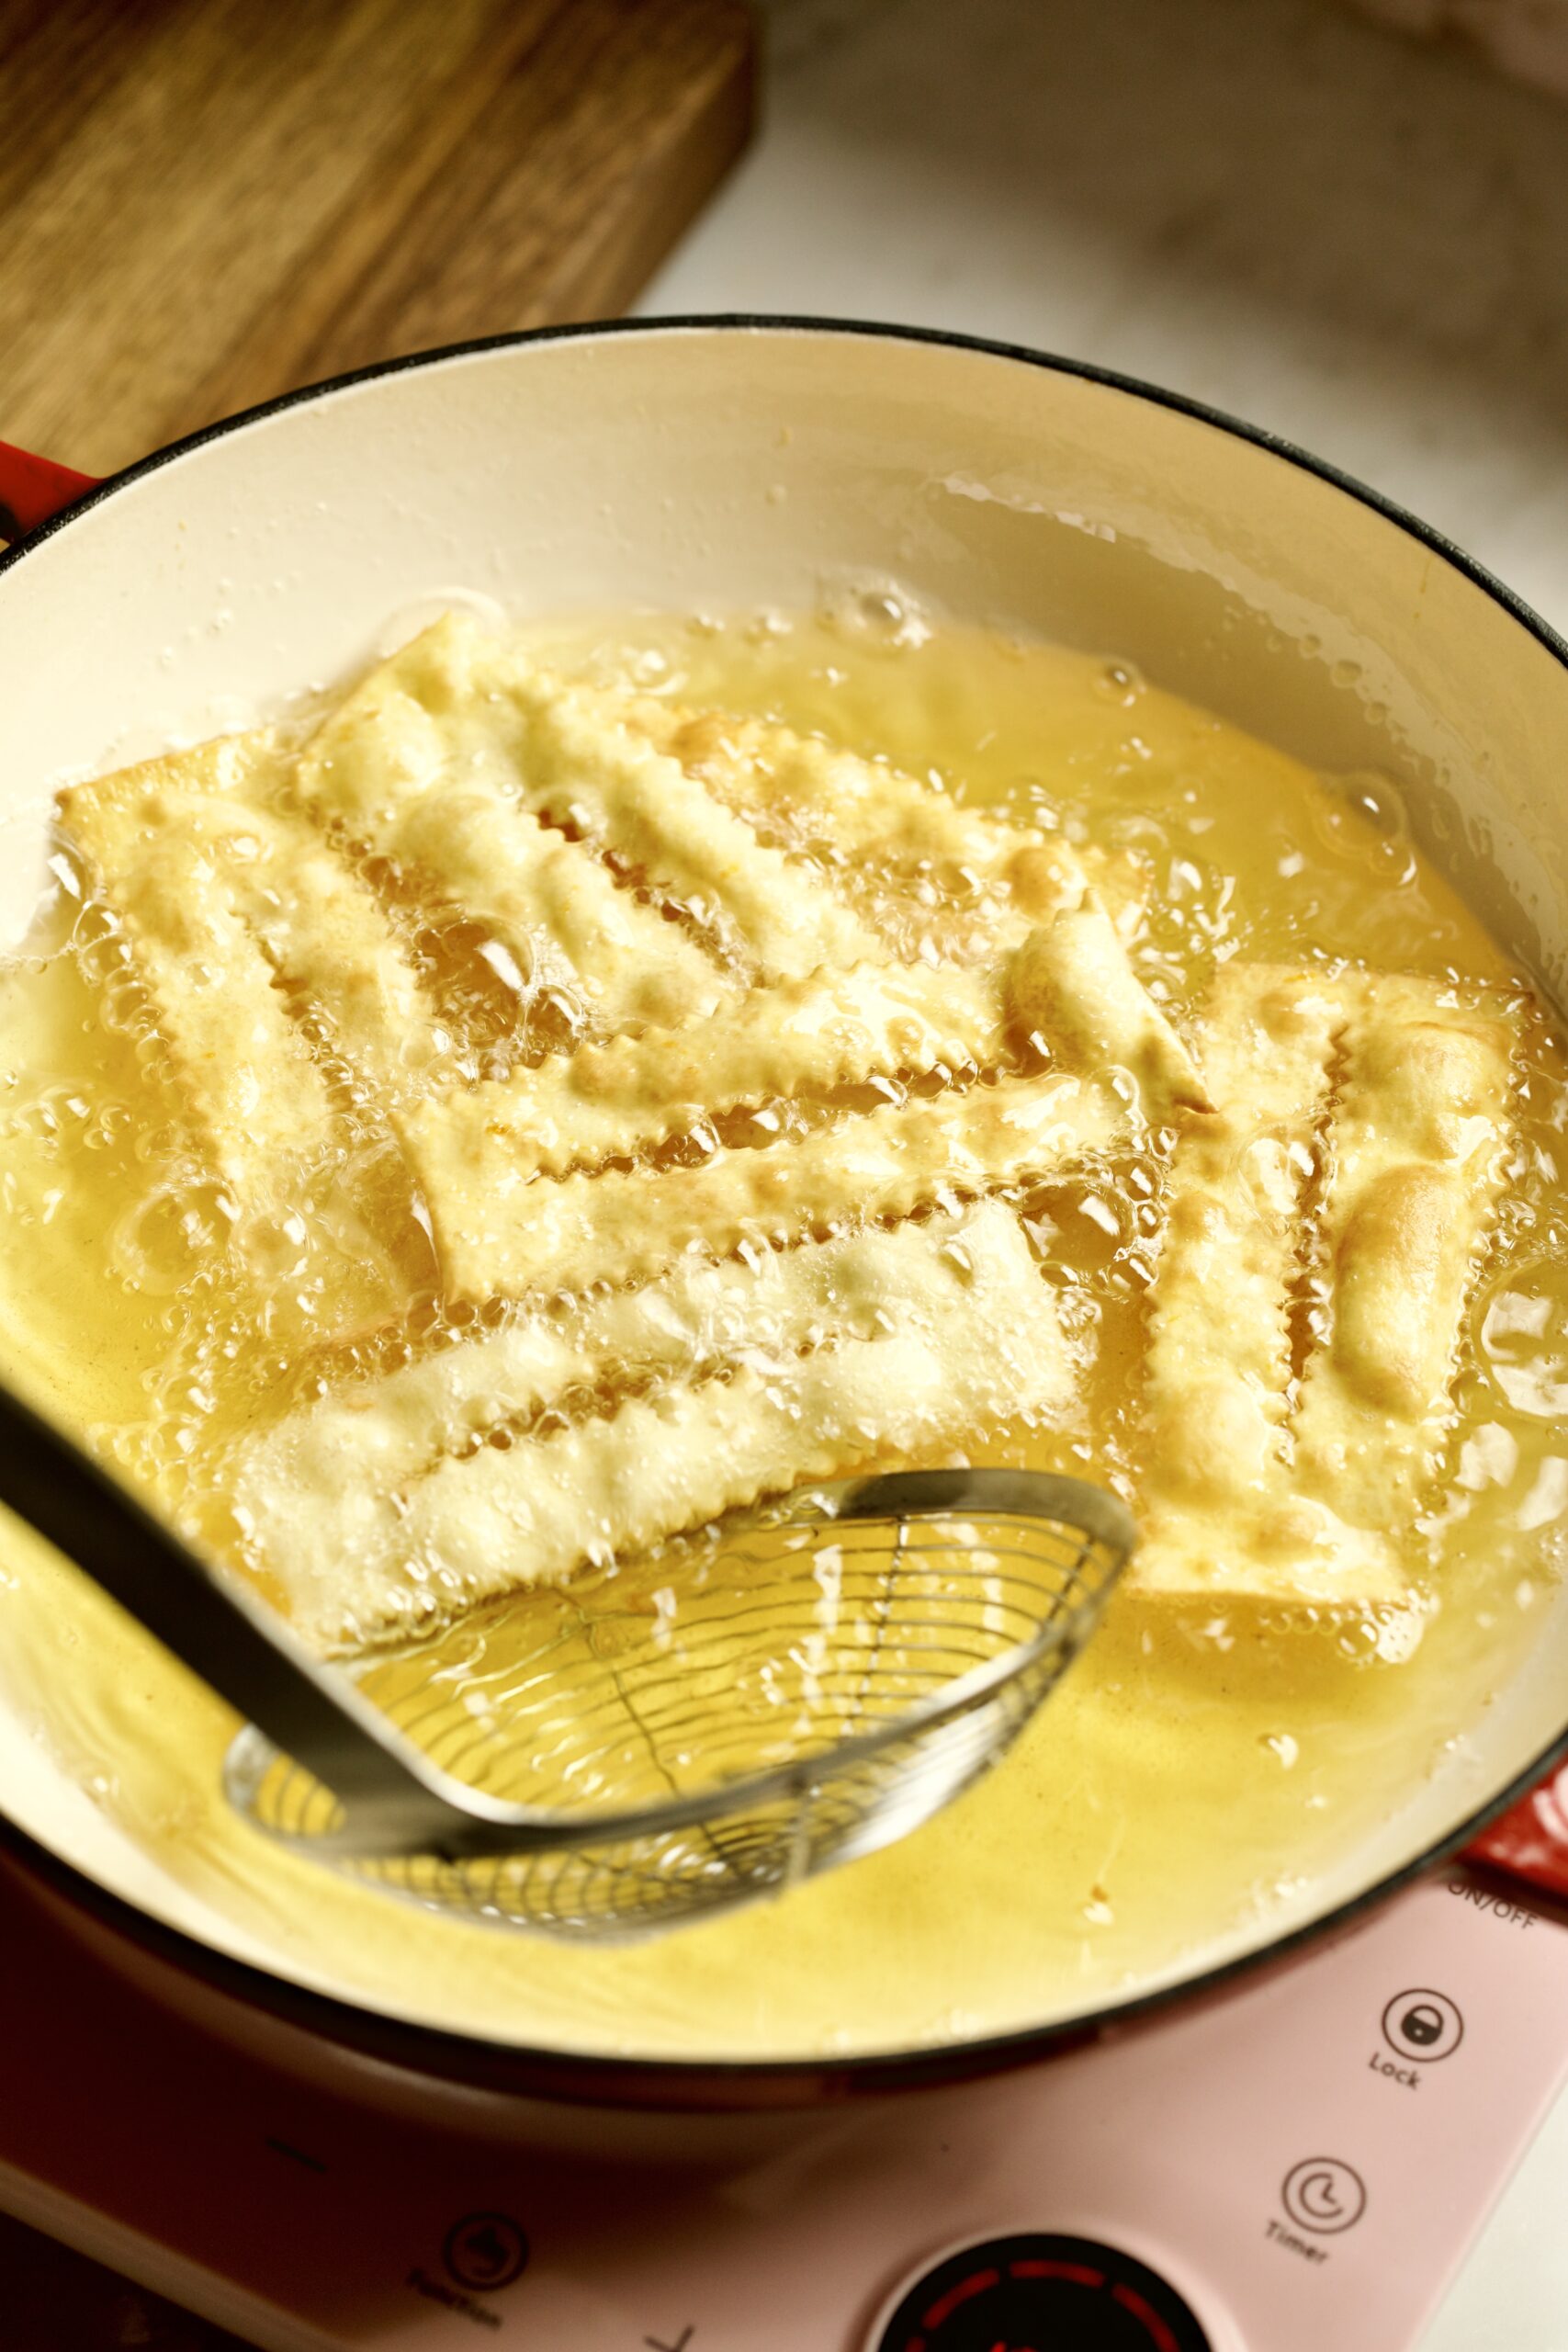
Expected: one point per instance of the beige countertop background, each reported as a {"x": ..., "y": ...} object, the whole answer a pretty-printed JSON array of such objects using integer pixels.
[{"x": 1356, "y": 239}]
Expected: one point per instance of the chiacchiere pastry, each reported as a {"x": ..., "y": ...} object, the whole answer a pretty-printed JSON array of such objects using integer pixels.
[
  {"x": 1297, "y": 1486},
  {"x": 723, "y": 916}
]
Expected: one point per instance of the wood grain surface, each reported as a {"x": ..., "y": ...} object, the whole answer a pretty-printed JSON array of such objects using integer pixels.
[{"x": 205, "y": 202}]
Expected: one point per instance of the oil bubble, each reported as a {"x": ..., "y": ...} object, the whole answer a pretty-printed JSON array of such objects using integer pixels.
[
  {"x": 1119, "y": 682},
  {"x": 876, "y": 611},
  {"x": 1362, "y": 815},
  {"x": 160, "y": 1245}
]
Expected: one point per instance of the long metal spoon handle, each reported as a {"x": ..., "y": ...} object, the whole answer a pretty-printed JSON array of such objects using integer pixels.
[
  {"x": 397, "y": 1800},
  {"x": 255, "y": 1664}
]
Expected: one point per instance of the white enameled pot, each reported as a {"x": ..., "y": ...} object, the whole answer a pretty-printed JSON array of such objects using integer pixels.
[{"x": 734, "y": 463}]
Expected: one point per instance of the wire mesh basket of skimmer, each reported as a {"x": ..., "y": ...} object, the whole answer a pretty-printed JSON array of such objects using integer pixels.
[
  {"x": 646, "y": 1744},
  {"x": 670, "y": 1740}
]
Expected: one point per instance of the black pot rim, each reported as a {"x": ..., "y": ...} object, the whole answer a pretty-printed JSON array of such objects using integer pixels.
[{"x": 515, "y": 2069}]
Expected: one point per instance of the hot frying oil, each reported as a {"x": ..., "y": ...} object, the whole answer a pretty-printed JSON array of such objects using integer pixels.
[{"x": 1203, "y": 1761}]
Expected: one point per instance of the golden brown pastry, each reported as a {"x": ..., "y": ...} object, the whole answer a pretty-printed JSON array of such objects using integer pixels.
[{"x": 1257, "y": 1482}]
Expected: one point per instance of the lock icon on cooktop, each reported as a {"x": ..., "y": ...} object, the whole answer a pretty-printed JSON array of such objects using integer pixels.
[{"x": 1423, "y": 2025}]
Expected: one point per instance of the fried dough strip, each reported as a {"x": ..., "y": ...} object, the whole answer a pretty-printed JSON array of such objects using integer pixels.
[
  {"x": 327, "y": 937},
  {"x": 245, "y": 1074},
  {"x": 1217, "y": 1506},
  {"x": 1070, "y": 986},
  {"x": 1071, "y": 983},
  {"x": 802, "y": 792},
  {"x": 836, "y": 1028},
  {"x": 501, "y": 1235},
  {"x": 368, "y": 1436},
  {"x": 451, "y": 754},
  {"x": 579, "y": 760},
  {"x": 917, "y": 1337},
  {"x": 1415, "y": 1139},
  {"x": 870, "y": 808},
  {"x": 1418, "y": 1136},
  {"x": 324, "y": 931},
  {"x": 415, "y": 765},
  {"x": 323, "y": 1475}
]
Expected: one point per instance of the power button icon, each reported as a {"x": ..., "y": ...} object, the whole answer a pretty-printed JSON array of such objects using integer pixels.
[{"x": 1423, "y": 2025}]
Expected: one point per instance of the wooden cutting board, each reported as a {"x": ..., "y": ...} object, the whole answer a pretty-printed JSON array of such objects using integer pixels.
[{"x": 205, "y": 202}]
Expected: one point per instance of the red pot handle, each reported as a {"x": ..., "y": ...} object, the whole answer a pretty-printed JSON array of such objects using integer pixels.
[
  {"x": 1529, "y": 1842},
  {"x": 32, "y": 488}
]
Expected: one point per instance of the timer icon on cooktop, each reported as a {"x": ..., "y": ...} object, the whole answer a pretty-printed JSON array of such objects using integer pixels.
[
  {"x": 1073, "y": 2294},
  {"x": 1325, "y": 2194}
]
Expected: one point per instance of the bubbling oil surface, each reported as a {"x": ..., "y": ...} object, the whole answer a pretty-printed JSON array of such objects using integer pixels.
[{"x": 1199, "y": 1765}]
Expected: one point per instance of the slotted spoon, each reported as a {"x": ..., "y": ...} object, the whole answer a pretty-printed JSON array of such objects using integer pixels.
[{"x": 660, "y": 1741}]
